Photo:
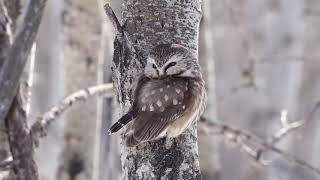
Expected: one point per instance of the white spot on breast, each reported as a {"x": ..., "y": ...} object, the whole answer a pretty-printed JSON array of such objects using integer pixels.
[
  {"x": 161, "y": 89},
  {"x": 159, "y": 103},
  {"x": 144, "y": 108},
  {"x": 175, "y": 101},
  {"x": 151, "y": 107},
  {"x": 166, "y": 97},
  {"x": 168, "y": 86},
  {"x": 178, "y": 90}
]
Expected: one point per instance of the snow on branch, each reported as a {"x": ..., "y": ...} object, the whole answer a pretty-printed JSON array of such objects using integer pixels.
[
  {"x": 254, "y": 146},
  {"x": 7, "y": 163},
  {"x": 39, "y": 128}
]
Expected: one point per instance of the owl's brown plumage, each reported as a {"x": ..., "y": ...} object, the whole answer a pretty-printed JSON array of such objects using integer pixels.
[{"x": 169, "y": 96}]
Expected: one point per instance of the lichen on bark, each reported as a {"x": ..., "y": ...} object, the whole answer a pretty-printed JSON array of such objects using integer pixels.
[{"x": 149, "y": 23}]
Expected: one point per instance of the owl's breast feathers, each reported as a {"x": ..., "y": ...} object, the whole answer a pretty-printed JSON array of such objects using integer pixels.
[{"x": 164, "y": 107}]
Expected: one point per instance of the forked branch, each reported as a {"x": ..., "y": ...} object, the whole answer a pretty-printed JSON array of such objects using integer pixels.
[{"x": 256, "y": 146}]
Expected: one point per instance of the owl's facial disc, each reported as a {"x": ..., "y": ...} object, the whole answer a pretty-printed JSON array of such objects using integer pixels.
[
  {"x": 152, "y": 70},
  {"x": 175, "y": 65},
  {"x": 171, "y": 60}
]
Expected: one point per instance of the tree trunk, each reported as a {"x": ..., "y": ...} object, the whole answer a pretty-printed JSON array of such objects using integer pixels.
[
  {"x": 14, "y": 52},
  {"x": 46, "y": 88},
  {"x": 4, "y": 46},
  {"x": 208, "y": 144},
  {"x": 149, "y": 23},
  {"x": 80, "y": 36}
]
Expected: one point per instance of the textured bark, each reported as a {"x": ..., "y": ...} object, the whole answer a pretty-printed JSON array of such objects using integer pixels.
[
  {"x": 14, "y": 55},
  {"x": 4, "y": 46},
  {"x": 21, "y": 142},
  {"x": 5, "y": 33},
  {"x": 13, "y": 7},
  {"x": 13, "y": 66},
  {"x": 149, "y": 23}
]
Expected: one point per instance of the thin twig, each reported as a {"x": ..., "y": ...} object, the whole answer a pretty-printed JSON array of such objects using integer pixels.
[
  {"x": 287, "y": 127},
  {"x": 113, "y": 18},
  {"x": 39, "y": 128},
  {"x": 241, "y": 138},
  {"x": 120, "y": 32}
]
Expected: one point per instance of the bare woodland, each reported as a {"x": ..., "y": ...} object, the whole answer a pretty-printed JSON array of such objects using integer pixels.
[{"x": 67, "y": 69}]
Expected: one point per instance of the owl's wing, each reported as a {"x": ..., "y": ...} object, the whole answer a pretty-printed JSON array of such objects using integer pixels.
[
  {"x": 157, "y": 105},
  {"x": 145, "y": 129}
]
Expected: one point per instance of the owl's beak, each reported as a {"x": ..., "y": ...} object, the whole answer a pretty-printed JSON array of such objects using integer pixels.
[{"x": 161, "y": 74}]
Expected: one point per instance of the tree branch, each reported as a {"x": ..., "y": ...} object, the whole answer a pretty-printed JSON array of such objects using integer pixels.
[
  {"x": 113, "y": 18},
  {"x": 18, "y": 53},
  {"x": 40, "y": 127},
  {"x": 286, "y": 128},
  {"x": 121, "y": 34},
  {"x": 7, "y": 163},
  {"x": 21, "y": 142},
  {"x": 243, "y": 138}
]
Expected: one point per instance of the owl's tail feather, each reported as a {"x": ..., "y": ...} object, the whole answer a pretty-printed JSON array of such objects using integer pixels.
[{"x": 125, "y": 119}]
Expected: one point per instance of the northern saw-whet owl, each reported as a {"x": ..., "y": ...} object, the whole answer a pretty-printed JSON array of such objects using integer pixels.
[{"x": 168, "y": 97}]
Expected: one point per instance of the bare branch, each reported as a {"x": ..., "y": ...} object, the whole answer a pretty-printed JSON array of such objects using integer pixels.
[
  {"x": 242, "y": 138},
  {"x": 121, "y": 34},
  {"x": 287, "y": 127},
  {"x": 113, "y": 18},
  {"x": 17, "y": 55},
  {"x": 39, "y": 128},
  {"x": 8, "y": 163},
  {"x": 21, "y": 142}
]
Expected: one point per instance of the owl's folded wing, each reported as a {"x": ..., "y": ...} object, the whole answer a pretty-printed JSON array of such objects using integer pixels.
[
  {"x": 154, "y": 117},
  {"x": 145, "y": 128}
]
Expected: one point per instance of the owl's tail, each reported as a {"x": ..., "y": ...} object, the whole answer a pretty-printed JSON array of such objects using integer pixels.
[{"x": 125, "y": 119}]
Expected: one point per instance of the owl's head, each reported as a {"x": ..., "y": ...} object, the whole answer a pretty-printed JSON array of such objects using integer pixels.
[{"x": 171, "y": 60}]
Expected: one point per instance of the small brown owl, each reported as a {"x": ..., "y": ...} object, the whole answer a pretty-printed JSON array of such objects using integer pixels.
[{"x": 169, "y": 96}]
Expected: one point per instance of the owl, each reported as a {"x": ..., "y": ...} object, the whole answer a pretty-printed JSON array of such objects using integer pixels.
[{"x": 168, "y": 97}]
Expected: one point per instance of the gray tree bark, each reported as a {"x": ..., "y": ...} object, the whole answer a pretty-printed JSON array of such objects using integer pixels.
[
  {"x": 15, "y": 56},
  {"x": 4, "y": 46},
  {"x": 149, "y": 23}
]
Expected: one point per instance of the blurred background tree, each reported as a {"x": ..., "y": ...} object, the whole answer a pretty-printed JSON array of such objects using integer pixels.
[{"x": 258, "y": 58}]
